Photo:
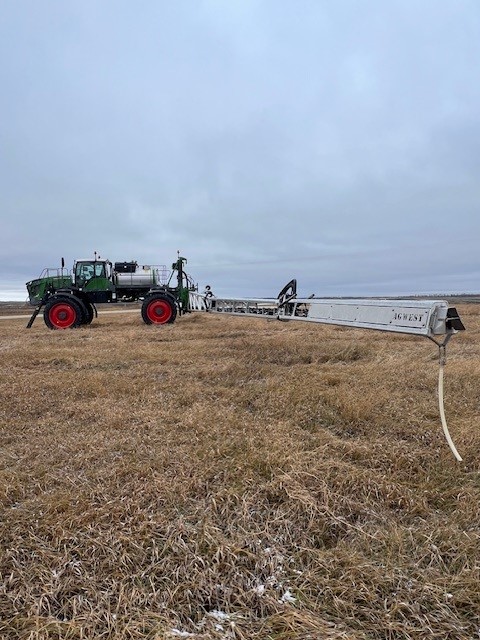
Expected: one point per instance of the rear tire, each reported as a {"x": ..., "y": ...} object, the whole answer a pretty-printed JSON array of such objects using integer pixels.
[
  {"x": 159, "y": 309},
  {"x": 63, "y": 313}
]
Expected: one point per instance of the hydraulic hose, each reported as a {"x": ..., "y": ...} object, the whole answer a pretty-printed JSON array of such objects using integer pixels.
[{"x": 442, "y": 411}]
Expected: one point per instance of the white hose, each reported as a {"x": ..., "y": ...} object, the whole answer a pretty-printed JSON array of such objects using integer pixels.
[{"x": 442, "y": 414}]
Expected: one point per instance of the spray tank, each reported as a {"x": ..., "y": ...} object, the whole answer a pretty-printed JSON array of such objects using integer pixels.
[{"x": 131, "y": 275}]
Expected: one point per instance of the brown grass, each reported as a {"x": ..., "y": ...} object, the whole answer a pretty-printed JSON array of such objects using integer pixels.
[{"x": 236, "y": 479}]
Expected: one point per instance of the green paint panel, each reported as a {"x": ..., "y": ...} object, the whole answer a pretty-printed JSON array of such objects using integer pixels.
[
  {"x": 37, "y": 288},
  {"x": 98, "y": 284}
]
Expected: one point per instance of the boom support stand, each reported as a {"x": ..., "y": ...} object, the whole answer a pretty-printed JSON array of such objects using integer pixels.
[{"x": 35, "y": 313}]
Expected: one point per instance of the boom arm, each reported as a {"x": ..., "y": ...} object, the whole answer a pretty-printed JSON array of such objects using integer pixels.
[{"x": 429, "y": 318}]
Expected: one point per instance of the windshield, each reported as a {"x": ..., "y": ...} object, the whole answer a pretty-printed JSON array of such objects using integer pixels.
[{"x": 87, "y": 270}]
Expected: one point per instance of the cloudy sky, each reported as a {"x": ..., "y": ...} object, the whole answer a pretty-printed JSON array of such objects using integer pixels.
[{"x": 335, "y": 142}]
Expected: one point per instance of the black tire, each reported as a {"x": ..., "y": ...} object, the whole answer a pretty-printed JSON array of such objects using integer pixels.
[
  {"x": 83, "y": 310},
  {"x": 63, "y": 313},
  {"x": 89, "y": 313},
  {"x": 159, "y": 309}
]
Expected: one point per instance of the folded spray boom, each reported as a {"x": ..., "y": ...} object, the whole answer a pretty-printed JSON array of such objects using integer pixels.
[{"x": 433, "y": 319}]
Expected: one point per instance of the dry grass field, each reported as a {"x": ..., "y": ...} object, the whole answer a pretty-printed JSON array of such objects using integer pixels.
[{"x": 237, "y": 479}]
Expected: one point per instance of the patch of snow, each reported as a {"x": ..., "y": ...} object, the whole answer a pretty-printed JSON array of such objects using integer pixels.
[
  {"x": 219, "y": 615},
  {"x": 288, "y": 597},
  {"x": 181, "y": 634}
]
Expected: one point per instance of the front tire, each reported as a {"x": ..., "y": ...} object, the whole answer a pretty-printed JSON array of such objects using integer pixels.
[
  {"x": 89, "y": 313},
  {"x": 159, "y": 309},
  {"x": 62, "y": 313}
]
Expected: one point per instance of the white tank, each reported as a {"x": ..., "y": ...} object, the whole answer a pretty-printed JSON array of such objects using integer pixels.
[
  {"x": 137, "y": 279},
  {"x": 143, "y": 276}
]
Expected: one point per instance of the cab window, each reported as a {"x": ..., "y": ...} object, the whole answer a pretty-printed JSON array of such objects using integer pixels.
[
  {"x": 99, "y": 270},
  {"x": 85, "y": 271}
]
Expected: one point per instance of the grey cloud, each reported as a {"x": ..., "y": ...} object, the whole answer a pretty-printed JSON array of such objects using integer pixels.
[{"x": 338, "y": 143}]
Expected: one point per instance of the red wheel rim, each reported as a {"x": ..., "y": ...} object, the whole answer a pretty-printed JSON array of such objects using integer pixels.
[
  {"x": 159, "y": 311},
  {"x": 62, "y": 315}
]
